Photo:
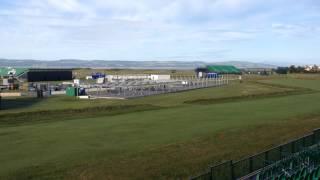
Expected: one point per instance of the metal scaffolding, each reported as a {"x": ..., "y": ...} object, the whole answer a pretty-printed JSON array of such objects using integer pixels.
[{"x": 126, "y": 88}]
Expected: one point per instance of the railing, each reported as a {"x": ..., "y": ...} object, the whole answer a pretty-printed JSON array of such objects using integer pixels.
[{"x": 236, "y": 169}]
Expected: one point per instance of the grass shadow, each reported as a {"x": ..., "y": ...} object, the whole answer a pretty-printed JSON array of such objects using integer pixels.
[{"x": 17, "y": 103}]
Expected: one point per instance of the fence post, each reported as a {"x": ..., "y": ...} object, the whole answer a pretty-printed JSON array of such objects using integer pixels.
[
  {"x": 292, "y": 147},
  {"x": 316, "y": 133},
  {"x": 232, "y": 170},
  {"x": 304, "y": 142},
  {"x": 266, "y": 159},
  {"x": 250, "y": 164},
  {"x": 212, "y": 171}
]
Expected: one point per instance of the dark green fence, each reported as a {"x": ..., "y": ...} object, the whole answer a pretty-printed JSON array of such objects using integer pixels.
[{"x": 236, "y": 169}]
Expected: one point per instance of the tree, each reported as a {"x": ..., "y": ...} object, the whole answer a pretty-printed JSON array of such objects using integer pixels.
[
  {"x": 292, "y": 69},
  {"x": 300, "y": 69},
  {"x": 282, "y": 70},
  {"x": 315, "y": 68}
]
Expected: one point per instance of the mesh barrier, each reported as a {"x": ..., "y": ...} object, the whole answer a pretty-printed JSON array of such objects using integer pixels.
[
  {"x": 222, "y": 171},
  {"x": 286, "y": 149},
  {"x": 258, "y": 161},
  {"x": 241, "y": 168},
  {"x": 298, "y": 145},
  {"x": 274, "y": 155},
  {"x": 316, "y": 134},
  {"x": 309, "y": 140},
  {"x": 204, "y": 176}
]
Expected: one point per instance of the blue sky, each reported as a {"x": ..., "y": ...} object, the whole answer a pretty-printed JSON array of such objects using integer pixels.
[{"x": 273, "y": 31}]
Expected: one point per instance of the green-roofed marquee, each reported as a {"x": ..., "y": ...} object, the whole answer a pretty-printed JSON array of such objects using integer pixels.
[
  {"x": 223, "y": 69},
  {"x": 14, "y": 71}
]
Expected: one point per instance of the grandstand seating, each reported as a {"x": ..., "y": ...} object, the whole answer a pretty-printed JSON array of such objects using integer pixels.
[
  {"x": 302, "y": 174},
  {"x": 304, "y": 165}
]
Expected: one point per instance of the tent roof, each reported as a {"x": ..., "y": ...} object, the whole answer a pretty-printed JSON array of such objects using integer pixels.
[{"x": 223, "y": 69}]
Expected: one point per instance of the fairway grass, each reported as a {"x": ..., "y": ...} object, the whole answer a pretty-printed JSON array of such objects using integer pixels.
[{"x": 169, "y": 140}]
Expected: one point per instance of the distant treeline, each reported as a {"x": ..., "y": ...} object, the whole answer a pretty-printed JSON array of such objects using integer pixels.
[{"x": 297, "y": 69}]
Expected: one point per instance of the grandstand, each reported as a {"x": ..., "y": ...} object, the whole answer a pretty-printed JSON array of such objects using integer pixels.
[
  {"x": 223, "y": 69},
  {"x": 298, "y": 159},
  {"x": 202, "y": 72}
]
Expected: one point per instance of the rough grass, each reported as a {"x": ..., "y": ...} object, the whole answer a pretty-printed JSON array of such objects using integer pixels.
[
  {"x": 24, "y": 118},
  {"x": 172, "y": 142},
  {"x": 287, "y": 91}
]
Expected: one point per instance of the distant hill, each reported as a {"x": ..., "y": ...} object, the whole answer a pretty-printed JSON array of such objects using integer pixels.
[{"x": 74, "y": 63}]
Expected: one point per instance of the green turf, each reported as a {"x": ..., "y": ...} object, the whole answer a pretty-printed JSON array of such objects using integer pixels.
[{"x": 170, "y": 140}]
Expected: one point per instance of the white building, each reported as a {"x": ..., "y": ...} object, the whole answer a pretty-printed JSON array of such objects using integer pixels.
[
  {"x": 76, "y": 82},
  {"x": 312, "y": 68},
  {"x": 88, "y": 77},
  {"x": 100, "y": 80},
  {"x": 157, "y": 77},
  {"x": 308, "y": 68}
]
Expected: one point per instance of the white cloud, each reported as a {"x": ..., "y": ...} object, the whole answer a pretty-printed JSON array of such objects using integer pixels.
[
  {"x": 65, "y": 5},
  {"x": 294, "y": 30}
]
